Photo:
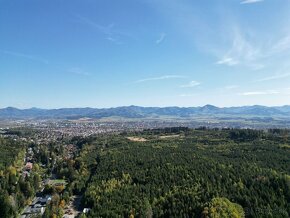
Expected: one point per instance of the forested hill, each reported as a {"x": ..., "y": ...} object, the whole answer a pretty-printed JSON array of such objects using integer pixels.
[{"x": 144, "y": 112}]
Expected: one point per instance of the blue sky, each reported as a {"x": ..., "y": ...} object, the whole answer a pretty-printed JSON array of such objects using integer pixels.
[{"x": 107, "y": 53}]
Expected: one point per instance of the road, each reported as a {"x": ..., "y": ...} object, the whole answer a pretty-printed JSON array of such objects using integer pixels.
[
  {"x": 27, "y": 209},
  {"x": 73, "y": 208}
]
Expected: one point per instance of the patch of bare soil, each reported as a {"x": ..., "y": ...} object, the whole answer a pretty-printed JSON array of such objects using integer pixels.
[
  {"x": 137, "y": 139},
  {"x": 168, "y": 136}
]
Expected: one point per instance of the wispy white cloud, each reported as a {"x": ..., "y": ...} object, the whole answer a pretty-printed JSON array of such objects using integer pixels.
[
  {"x": 231, "y": 87},
  {"x": 110, "y": 31},
  {"x": 277, "y": 76},
  {"x": 114, "y": 40},
  {"x": 229, "y": 39},
  {"x": 78, "y": 71},
  {"x": 26, "y": 56},
  {"x": 249, "y": 50},
  {"x": 241, "y": 52},
  {"x": 104, "y": 29},
  {"x": 250, "y": 1},
  {"x": 187, "y": 95},
  {"x": 161, "y": 38},
  {"x": 266, "y": 92},
  {"x": 282, "y": 45},
  {"x": 190, "y": 84},
  {"x": 228, "y": 61},
  {"x": 165, "y": 77}
]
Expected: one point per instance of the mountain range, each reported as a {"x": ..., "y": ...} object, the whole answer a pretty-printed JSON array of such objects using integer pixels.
[{"x": 144, "y": 112}]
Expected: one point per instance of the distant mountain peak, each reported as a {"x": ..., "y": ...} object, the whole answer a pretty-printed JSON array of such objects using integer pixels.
[
  {"x": 210, "y": 106},
  {"x": 11, "y": 108}
]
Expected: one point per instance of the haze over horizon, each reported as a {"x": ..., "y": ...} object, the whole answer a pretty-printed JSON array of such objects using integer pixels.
[
  {"x": 127, "y": 106},
  {"x": 100, "y": 54}
]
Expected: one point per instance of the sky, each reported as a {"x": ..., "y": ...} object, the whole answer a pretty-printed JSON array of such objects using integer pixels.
[{"x": 108, "y": 53}]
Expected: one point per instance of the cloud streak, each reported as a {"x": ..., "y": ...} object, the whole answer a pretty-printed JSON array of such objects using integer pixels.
[
  {"x": 278, "y": 76},
  {"x": 78, "y": 71},
  {"x": 190, "y": 84},
  {"x": 231, "y": 87},
  {"x": 241, "y": 52},
  {"x": 103, "y": 29},
  {"x": 267, "y": 92},
  {"x": 165, "y": 77},
  {"x": 109, "y": 31},
  {"x": 227, "y": 61},
  {"x": 282, "y": 45},
  {"x": 25, "y": 56},
  {"x": 161, "y": 38},
  {"x": 187, "y": 95},
  {"x": 250, "y": 1}
]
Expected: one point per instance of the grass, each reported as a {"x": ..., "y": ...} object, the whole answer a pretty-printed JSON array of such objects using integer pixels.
[{"x": 57, "y": 181}]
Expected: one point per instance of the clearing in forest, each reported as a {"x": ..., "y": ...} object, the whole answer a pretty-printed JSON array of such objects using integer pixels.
[
  {"x": 137, "y": 139},
  {"x": 168, "y": 136}
]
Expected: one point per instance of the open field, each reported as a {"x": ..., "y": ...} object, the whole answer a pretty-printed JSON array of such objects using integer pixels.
[
  {"x": 137, "y": 139},
  {"x": 169, "y": 136}
]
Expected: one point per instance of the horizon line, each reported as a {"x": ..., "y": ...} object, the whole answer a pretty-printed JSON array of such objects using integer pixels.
[{"x": 87, "y": 107}]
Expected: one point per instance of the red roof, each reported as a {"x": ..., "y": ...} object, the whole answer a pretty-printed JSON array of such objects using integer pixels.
[{"x": 28, "y": 165}]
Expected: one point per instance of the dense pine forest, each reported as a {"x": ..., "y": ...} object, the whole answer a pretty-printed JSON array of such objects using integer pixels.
[
  {"x": 179, "y": 172},
  {"x": 8, "y": 150},
  {"x": 171, "y": 172}
]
